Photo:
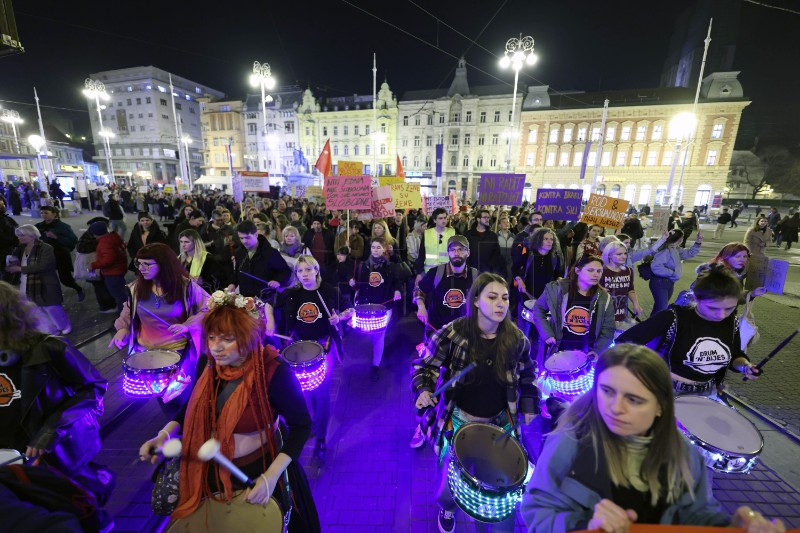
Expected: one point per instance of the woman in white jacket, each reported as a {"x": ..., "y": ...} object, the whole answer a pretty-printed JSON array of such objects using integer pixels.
[{"x": 667, "y": 268}]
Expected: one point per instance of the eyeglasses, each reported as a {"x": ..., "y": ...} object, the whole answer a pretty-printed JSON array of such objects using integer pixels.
[{"x": 145, "y": 266}]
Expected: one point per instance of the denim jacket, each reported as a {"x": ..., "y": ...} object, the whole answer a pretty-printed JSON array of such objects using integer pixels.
[{"x": 667, "y": 262}]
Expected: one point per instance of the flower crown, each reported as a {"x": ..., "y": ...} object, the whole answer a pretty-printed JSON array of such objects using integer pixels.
[{"x": 232, "y": 299}]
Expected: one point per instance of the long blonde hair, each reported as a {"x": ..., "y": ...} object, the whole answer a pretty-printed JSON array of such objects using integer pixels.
[
  {"x": 199, "y": 245},
  {"x": 667, "y": 458},
  {"x": 387, "y": 237}
]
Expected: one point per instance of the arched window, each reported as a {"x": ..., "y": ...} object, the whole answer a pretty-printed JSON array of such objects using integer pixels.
[
  {"x": 644, "y": 195},
  {"x": 453, "y": 161},
  {"x": 355, "y": 150},
  {"x": 335, "y": 149},
  {"x": 526, "y": 192},
  {"x": 601, "y": 189},
  {"x": 346, "y": 150},
  {"x": 615, "y": 191},
  {"x": 405, "y": 161},
  {"x": 630, "y": 193}
]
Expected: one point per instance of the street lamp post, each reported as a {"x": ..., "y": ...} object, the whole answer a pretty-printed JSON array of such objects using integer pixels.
[
  {"x": 519, "y": 52},
  {"x": 37, "y": 142},
  {"x": 12, "y": 117},
  {"x": 97, "y": 90},
  {"x": 185, "y": 141},
  {"x": 262, "y": 76},
  {"x": 680, "y": 129}
]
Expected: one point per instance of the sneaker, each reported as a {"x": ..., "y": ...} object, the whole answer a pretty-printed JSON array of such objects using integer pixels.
[
  {"x": 81, "y": 295},
  {"x": 375, "y": 374},
  {"x": 418, "y": 439},
  {"x": 447, "y": 521},
  {"x": 319, "y": 450}
]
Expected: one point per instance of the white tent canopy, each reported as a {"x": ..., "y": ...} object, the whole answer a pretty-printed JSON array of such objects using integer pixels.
[{"x": 214, "y": 180}]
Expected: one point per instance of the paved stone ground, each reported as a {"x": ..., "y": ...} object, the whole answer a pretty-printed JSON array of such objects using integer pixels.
[{"x": 372, "y": 481}]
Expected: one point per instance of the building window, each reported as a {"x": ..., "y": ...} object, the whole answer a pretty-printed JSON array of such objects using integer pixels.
[
  {"x": 592, "y": 159},
  {"x": 288, "y": 127},
  {"x": 567, "y": 137},
  {"x": 405, "y": 120},
  {"x": 441, "y": 118},
  {"x": 479, "y": 162},
  {"x": 529, "y": 159},
  {"x": 335, "y": 131},
  {"x": 481, "y": 140},
  {"x": 610, "y": 131},
  {"x": 191, "y": 111},
  {"x": 595, "y": 134},
  {"x": 141, "y": 115},
  {"x": 428, "y": 162},
  {"x": 178, "y": 106},
  {"x": 532, "y": 136},
  {"x": 430, "y": 120},
  {"x": 164, "y": 101},
  {"x": 636, "y": 159},
  {"x": 335, "y": 149},
  {"x": 355, "y": 150},
  {"x": 482, "y": 118},
  {"x": 404, "y": 160},
  {"x": 383, "y": 127},
  {"x": 366, "y": 152},
  {"x": 165, "y": 116},
  {"x": 641, "y": 132},
  {"x": 429, "y": 140},
  {"x": 468, "y": 116},
  {"x": 466, "y": 160},
  {"x": 711, "y": 158},
  {"x": 658, "y": 132},
  {"x": 454, "y": 139},
  {"x": 452, "y": 160},
  {"x": 346, "y": 150},
  {"x": 383, "y": 149},
  {"x": 581, "y": 134},
  {"x": 652, "y": 157},
  {"x": 577, "y": 159},
  {"x": 550, "y": 161},
  {"x": 605, "y": 160},
  {"x": 466, "y": 139},
  {"x": 620, "y": 159},
  {"x": 495, "y": 138},
  {"x": 497, "y": 116},
  {"x": 716, "y": 131},
  {"x": 493, "y": 161},
  {"x": 417, "y": 120},
  {"x": 554, "y": 135},
  {"x": 416, "y": 140},
  {"x": 147, "y": 99},
  {"x": 251, "y": 128},
  {"x": 225, "y": 108},
  {"x": 563, "y": 159},
  {"x": 626, "y": 133},
  {"x": 325, "y": 131},
  {"x": 308, "y": 130},
  {"x": 456, "y": 117},
  {"x": 667, "y": 159}
]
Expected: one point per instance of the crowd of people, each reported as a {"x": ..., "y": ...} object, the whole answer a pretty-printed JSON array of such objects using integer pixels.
[{"x": 499, "y": 292}]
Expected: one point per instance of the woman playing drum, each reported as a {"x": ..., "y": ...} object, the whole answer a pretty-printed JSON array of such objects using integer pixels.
[
  {"x": 619, "y": 451},
  {"x": 249, "y": 387},
  {"x": 164, "y": 308},
  {"x": 543, "y": 264},
  {"x": 377, "y": 282},
  {"x": 310, "y": 309},
  {"x": 501, "y": 383},
  {"x": 699, "y": 343}
]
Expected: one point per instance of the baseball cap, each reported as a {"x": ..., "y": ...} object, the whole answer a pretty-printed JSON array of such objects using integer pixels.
[{"x": 458, "y": 239}]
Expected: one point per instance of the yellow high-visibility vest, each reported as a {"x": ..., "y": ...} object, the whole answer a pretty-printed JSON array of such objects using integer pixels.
[{"x": 435, "y": 248}]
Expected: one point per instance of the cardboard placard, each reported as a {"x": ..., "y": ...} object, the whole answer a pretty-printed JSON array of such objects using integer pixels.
[
  {"x": 255, "y": 184},
  {"x": 382, "y": 203},
  {"x": 299, "y": 191},
  {"x": 406, "y": 196},
  {"x": 350, "y": 168},
  {"x": 435, "y": 202},
  {"x": 775, "y": 278},
  {"x": 236, "y": 185},
  {"x": 348, "y": 192},
  {"x": 391, "y": 180},
  {"x": 501, "y": 189},
  {"x": 314, "y": 193},
  {"x": 169, "y": 189},
  {"x": 559, "y": 204},
  {"x": 605, "y": 211},
  {"x": 661, "y": 216}
]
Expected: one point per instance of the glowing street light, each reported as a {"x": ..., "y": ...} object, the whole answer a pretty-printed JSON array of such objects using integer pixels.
[
  {"x": 97, "y": 91},
  {"x": 680, "y": 130},
  {"x": 262, "y": 77},
  {"x": 519, "y": 52}
]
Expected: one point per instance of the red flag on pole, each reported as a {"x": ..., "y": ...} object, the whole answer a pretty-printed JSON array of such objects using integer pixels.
[
  {"x": 324, "y": 163},
  {"x": 400, "y": 171}
]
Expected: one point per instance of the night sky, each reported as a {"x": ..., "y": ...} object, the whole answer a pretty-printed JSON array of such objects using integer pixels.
[{"x": 582, "y": 45}]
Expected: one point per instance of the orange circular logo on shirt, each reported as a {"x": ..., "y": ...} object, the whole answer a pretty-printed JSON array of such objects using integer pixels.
[
  {"x": 8, "y": 392},
  {"x": 308, "y": 313},
  {"x": 577, "y": 320},
  {"x": 375, "y": 279},
  {"x": 453, "y": 298}
]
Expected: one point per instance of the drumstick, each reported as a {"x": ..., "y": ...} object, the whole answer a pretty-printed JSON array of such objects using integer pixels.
[
  {"x": 635, "y": 317},
  {"x": 467, "y": 369},
  {"x": 153, "y": 315},
  {"x": 284, "y": 337},
  {"x": 777, "y": 349},
  {"x": 254, "y": 277},
  {"x": 210, "y": 452},
  {"x": 507, "y": 432}
]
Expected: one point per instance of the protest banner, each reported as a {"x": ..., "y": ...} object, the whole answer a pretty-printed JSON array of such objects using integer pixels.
[
  {"x": 254, "y": 181},
  {"x": 314, "y": 193},
  {"x": 382, "y": 203},
  {"x": 559, "y": 204},
  {"x": 236, "y": 185},
  {"x": 605, "y": 211},
  {"x": 434, "y": 202},
  {"x": 350, "y": 168},
  {"x": 299, "y": 191},
  {"x": 183, "y": 189},
  {"x": 775, "y": 278},
  {"x": 406, "y": 196},
  {"x": 501, "y": 189},
  {"x": 661, "y": 216},
  {"x": 168, "y": 189},
  {"x": 348, "y": 192},
  {"x": 390, "y": 180}
]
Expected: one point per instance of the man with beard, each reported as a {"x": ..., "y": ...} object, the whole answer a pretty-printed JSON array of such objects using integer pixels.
[
  {"x": 441, "y": 296},
  {"x": 8, "y": 239},
  {"x": 483, "y": 242}
]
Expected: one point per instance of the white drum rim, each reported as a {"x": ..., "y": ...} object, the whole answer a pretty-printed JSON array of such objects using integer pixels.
[
  {"x": 307, "y": 362},
  {"x": 698, "y": 404},
  {"x": 570, "y": 370},
  {"x": 480, "y": 483},
  {"x": 172, "y": 354}
]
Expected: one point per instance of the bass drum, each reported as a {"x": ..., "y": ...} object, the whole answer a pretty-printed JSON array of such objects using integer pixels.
[{"x": 235, "y": 516}]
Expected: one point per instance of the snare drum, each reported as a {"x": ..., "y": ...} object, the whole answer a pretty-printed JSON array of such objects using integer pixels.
[
  {"x": 728, "y": 441},
  {"x": 9, "y": 456},
  {"x": 235, "y": 516},
  {"x": 148, "y": 374},
  {"x": 567, "y": 374},
  {"x": 486, "y": 478},
  {"x": 308, "y": 361},
  {"x": 527, "y": 310},
  {"x": 371, "y": 318}
]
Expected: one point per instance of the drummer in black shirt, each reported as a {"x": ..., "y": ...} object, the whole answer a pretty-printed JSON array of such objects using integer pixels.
[
  {"x": 311, "y": 312},
  {"x": 699, "y": 343}
]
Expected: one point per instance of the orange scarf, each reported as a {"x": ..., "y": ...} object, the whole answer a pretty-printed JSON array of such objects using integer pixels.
[{"x": 201, "y": 423}]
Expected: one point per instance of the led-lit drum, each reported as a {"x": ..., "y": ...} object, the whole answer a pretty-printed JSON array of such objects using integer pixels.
[
  {"x": 567, "y": 374},
  {"x": 527, "y": 310},
  {"x": 728, "y": 441},
  {"x": 235, "y": 516},
  {"x": 307, "y": 360},
  {"x": 371, "y": 318},
  {"x": 486, "y": 476},
  {"x": 148, "y": 374}
]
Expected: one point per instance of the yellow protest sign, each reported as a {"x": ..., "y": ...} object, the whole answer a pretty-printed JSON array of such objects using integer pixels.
[
  {"x": 314, "y": 193},
  {"x": 168, "y": 189},
  {"x": 605, "y": 211},
  {"x": 350, "y": 168},
  {"x": 391, "y": 180},
  {"x": 406, "y": 196}
]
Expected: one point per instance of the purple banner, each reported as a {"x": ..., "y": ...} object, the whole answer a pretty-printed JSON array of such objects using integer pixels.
[
  {"x": 559, "y": 204},
  {"x": 439, "y": 157},
  {"x": 585, "y": 158},
  {"x": 501, "y": 189}
]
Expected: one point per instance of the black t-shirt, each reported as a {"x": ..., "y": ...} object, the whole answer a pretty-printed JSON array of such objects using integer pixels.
[
  {"x": 483, "y": 395},
  {"x": 12, "y": 435},
  {"x": 577, "y": 322},
  {"x": 540, "y": 271},
  {"x": 307, "y": 317},
  {"x": 447, "y": 301}
]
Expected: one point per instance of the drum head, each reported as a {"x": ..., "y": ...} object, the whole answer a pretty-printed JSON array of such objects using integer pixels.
[
  {"x": 566, "y": 361},
  {"x": 302, "y": 351},
  {"x": 496, "y": 464},
  {"x": 718, "y": 425},
  {"x": 236, "y": 516},
  {"x": 370, "y": 309},
  {"x": 152, "y": 360}
]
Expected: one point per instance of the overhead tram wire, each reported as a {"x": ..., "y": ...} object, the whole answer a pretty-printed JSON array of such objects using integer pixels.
[{"x": 792, "y": 11}]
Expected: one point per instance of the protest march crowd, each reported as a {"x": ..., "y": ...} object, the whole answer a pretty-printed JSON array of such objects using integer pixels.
[{"x": 529, "y": 312}]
